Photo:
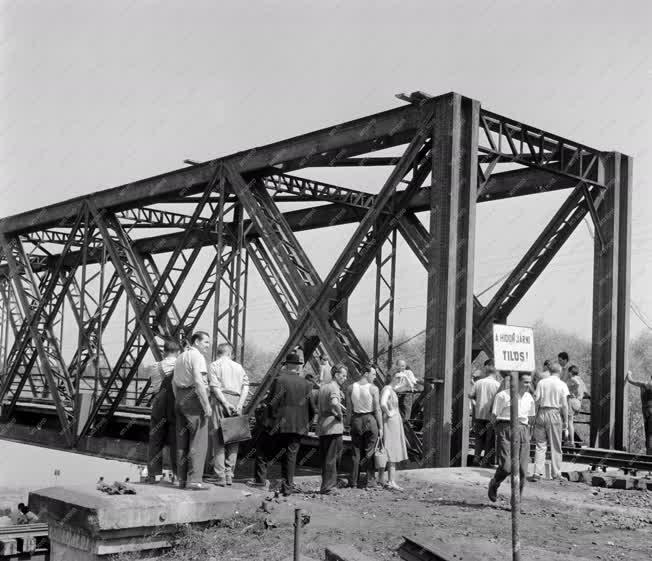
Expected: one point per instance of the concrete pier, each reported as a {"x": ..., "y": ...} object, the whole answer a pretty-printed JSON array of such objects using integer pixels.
[{"x": 87, "y": 525}]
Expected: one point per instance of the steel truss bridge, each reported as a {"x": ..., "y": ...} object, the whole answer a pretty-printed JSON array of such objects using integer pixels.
[{"x": 116, "y": 260}]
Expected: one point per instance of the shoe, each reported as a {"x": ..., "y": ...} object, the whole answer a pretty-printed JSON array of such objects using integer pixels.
[
  {"x": 217, "y": 482},
  {"x": 392, "y": 485},
  {"x": 253, "y": 483},
  {"x": 332, "y": 492},
  {"x": 196, "y": 487},
  {"x": 492, "y": 492},
  {"x": 290, "y": 489},
  {"x": 534, "y": 478},
  {"x": 228, "y": 481},
  {"x": 372, "y": 484}
]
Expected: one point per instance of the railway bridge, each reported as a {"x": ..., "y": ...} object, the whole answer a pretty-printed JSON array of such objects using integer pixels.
[{"x": 113, "y": 264}]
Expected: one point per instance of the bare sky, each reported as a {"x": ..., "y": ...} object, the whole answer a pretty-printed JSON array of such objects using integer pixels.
[{"x": 96, "y": 94}]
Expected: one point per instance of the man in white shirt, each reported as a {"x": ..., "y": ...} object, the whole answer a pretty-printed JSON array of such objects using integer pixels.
[
  {"x": 324, "y": 370},
  {"x": 563, "y": 360},
  {"x": 162, "y": 421},
  {"x": 483, "y": 393},
  {"x": 193, "y": 411},
  {"x": 407, "y": 383},
  {"x": 501, "y": 418},
  {"x": 551, "y": 397},
  {"x": 229, "y": 387}
]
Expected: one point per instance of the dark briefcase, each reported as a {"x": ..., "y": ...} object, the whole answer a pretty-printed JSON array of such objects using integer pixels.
[{"x": 235, "y": 429}]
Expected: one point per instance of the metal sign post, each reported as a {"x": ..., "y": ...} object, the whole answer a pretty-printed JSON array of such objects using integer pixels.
[
  {"x": 514, "y": 457},
  {"x": 514, "y": 352}
]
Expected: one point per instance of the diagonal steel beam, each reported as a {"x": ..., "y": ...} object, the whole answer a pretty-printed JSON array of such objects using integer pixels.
[
  {"x": 131, "y": 274},
  {"x": 419, "y": 240},
  {"x": 361, "y": 248},
  {"x": 16, "y": 320},
  {"x": 151, "y": 307},
  {"x": 38, "y": 339},
  {"x": 292, "y": 268},
  {"x": 320, "y": 300},
  {"x": 537, "y": 258},
  {"x": 90, "y": 343}
]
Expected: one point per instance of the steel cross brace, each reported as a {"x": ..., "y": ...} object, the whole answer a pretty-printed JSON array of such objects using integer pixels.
[
  {"x": 321, "y": 299},
  {"x": 151, "y": 308},
  {"x": 533, "y": 263},
  {"x": 419, "y": 239},
  {"x": 286, "y": 254},
  {"x": 516, "y": 142},
  {"x": 95, "y": 324},
  {"x": 233, "y": 278},
  {"x": 131, "y": 274},
  {"x": 87, "y": 324},
  {"x": 153, "y": 277},
  {"x": 40, "y": 310},
  {"x": 154, "y": 218},
  {"x": 15, "y": 319}
]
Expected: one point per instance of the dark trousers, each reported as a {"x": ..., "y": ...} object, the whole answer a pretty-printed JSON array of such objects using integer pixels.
[
  {"x": 405, "y": 401},
  {"x": 162, "y": 430},
  {"x": 288, "y": 449},
  {"x": 364, "y": 437},
  {"x": 503, "y": 450},
  {"x": 647, "y": 424},
  {"x": 263, "y": 452},
  {"x": 192, "y": 436},
  {"x": 485, "y": 441},
  {"x": 330, "y": 450}
]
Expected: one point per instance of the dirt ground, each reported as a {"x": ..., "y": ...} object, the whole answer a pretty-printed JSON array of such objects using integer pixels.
[{"x": 560, "y": 520}]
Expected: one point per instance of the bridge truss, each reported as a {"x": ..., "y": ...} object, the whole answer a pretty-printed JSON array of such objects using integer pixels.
[{"x": 119, "y": 259}]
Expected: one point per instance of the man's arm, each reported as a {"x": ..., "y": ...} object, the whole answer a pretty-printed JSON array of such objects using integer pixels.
[
  {"x": 337, "y": 409},
  {"x": 637, "y": 383},
  {"x": 564, "y": 416},
  {"x": 375, "y": 394},
  {"x": 472, "y": 392},
  {"x": 349, "y": 412},
  {"x": 200, "y": 388},
  {"x": 215, "y": 386},
  {"x": 244, "y": 392},
  {"x": 411, "y": 378},
  {"x": 564, "y": 408}
]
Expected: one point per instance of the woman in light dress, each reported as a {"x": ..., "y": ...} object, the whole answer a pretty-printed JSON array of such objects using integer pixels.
[{"x": 393, "y": 435}]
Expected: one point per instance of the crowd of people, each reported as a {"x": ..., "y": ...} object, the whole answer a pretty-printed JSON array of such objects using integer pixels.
[
  {"x": 548, "y": 403},
  {"x": 191, "y": 399}
]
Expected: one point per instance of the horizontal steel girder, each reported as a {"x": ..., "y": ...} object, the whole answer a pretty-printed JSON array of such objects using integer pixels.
[
  {"x": 331, "y": 144},
  {"x": 500, "y": 185}
]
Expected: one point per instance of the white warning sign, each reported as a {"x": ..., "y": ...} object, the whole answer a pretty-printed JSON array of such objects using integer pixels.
[{"x": 514, "y": 348}]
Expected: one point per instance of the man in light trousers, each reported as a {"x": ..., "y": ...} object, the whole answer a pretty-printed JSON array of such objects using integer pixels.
[
  {"x": 229, "y": 386},
  {"x": 551, "y": 397}
]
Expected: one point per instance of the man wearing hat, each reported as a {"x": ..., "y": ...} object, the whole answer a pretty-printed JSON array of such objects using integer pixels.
[{"x": 291, "y": 409}]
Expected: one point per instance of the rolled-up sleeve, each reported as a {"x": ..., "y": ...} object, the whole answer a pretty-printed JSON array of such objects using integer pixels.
[{"x": 214, "y": 378}]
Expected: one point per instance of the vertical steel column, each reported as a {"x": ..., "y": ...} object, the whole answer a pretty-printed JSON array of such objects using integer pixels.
[
  {"x": 4, "y": 329},
  {"x": 385, "y": 300},
  {"x": 219, "y": 269},
  {"x": 230, "y": 309},
  {"x": 449, "y": 323},
  {"x": 609, "y": 359}
]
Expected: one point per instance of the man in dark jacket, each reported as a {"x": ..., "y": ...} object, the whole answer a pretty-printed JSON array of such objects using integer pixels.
[{"x": 291, "y": 409}]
